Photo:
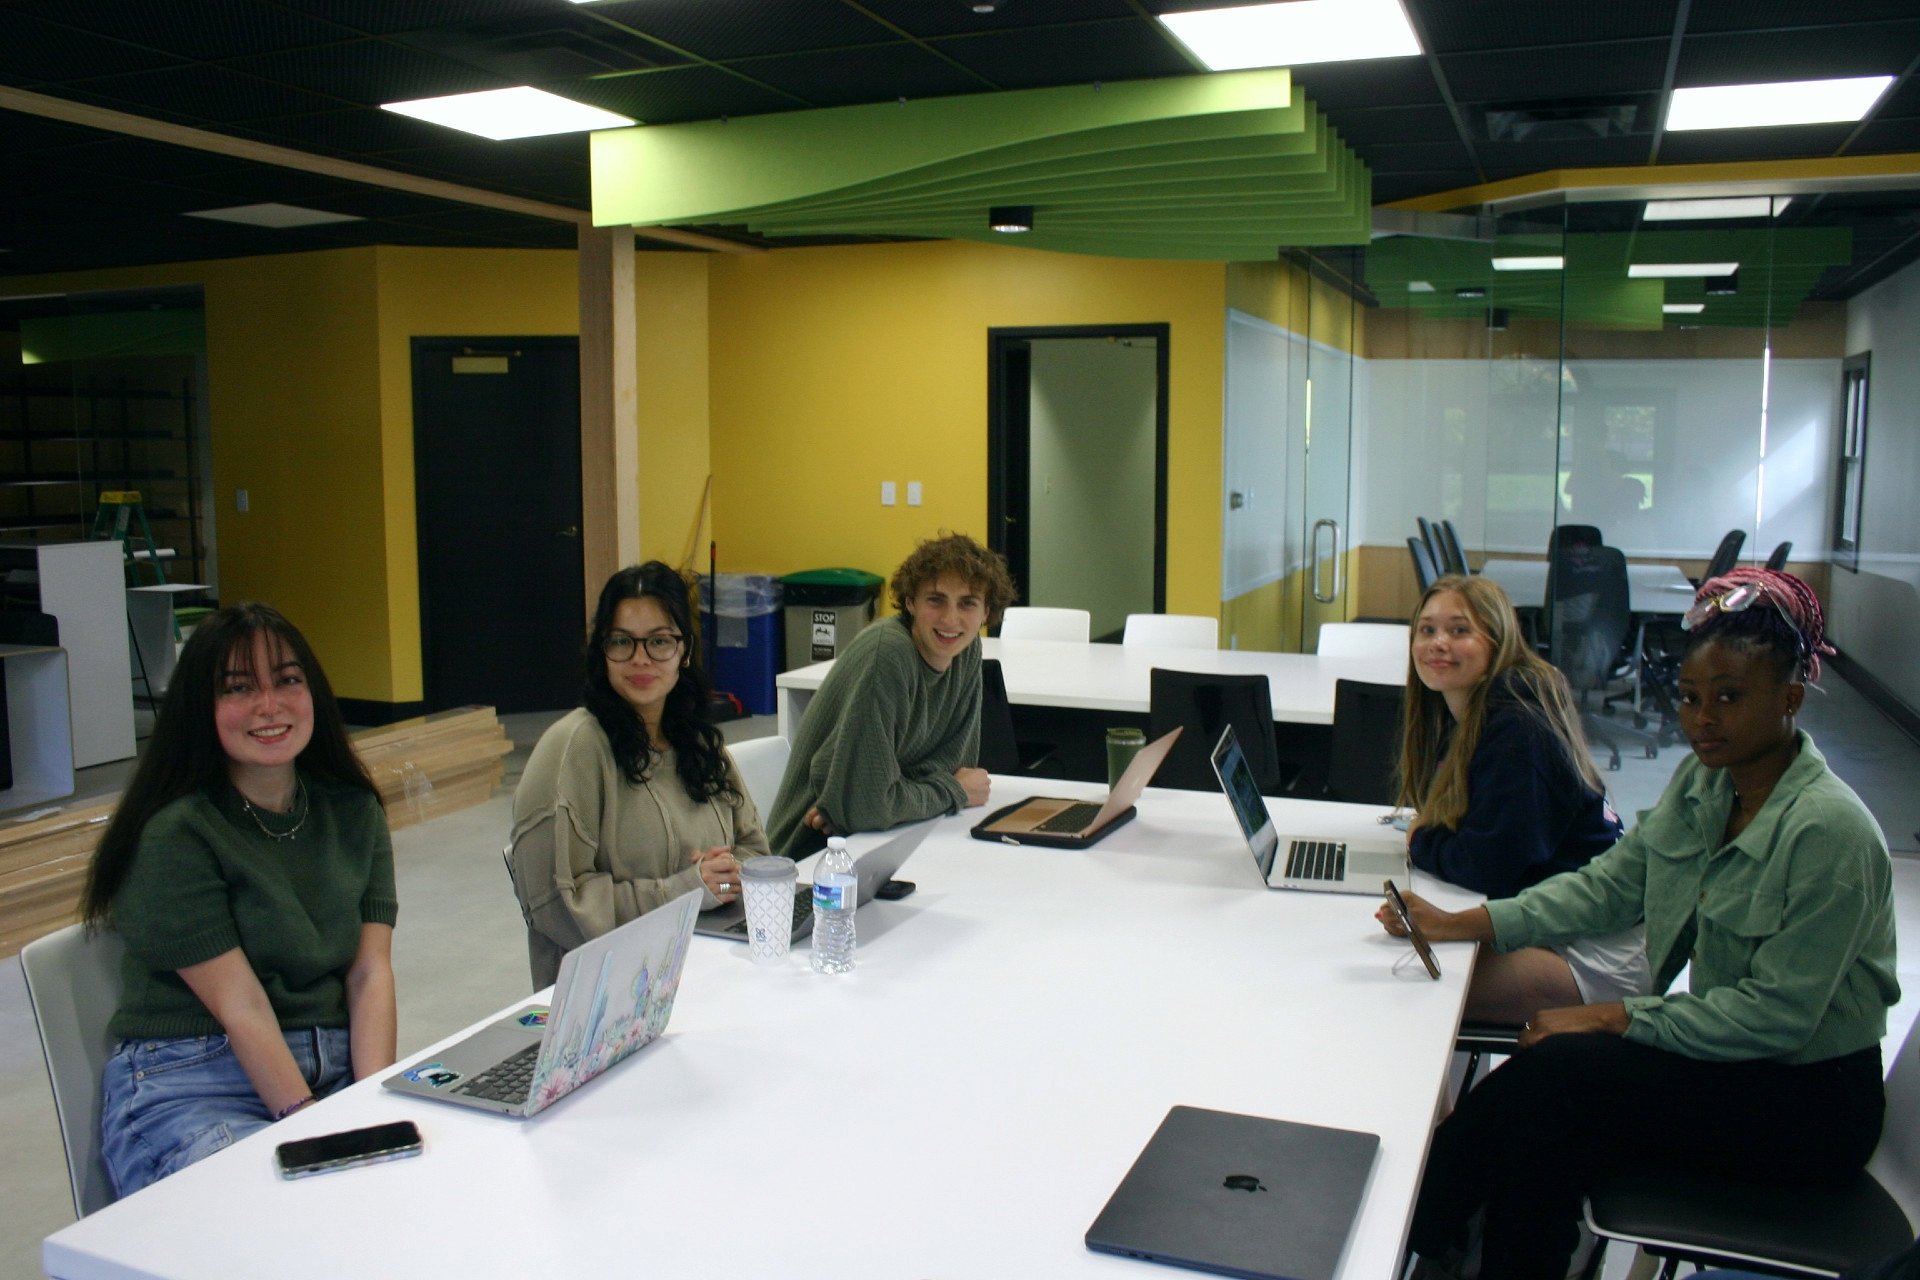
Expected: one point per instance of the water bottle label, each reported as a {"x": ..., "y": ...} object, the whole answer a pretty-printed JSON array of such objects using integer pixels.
[{"x": 831, "y": 897}]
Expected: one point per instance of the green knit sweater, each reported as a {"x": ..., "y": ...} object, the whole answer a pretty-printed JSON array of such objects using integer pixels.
[
  {"x": 880, "y": 740},
  {"x": 206, "y": 879}
]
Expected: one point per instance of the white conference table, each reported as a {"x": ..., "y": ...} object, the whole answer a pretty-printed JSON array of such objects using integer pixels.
[
  {"x": 1651, "y": 588},
  {"x": 1117, "y": 677},
  {"x": 961, "y": 1105}
]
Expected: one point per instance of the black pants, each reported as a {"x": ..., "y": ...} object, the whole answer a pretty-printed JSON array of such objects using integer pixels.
[{"x": 1554, "y": 1120}]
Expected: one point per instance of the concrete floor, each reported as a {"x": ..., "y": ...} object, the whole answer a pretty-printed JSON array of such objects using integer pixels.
[{"x": 458, "y": 954}]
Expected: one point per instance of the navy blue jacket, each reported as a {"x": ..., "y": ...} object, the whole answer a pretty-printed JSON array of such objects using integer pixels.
[{"x": 1529, "y": 814}]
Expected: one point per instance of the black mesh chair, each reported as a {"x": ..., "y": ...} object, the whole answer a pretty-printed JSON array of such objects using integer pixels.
[
  {"x": 1726, "y": 556},
  {"x": 1001, "y": 751},
  {"x": 1431, "y": 539},
  {"x": 1778, "y": 560},
  {"x": 1202, "y": 704},
  {"x": 1424, "y": 569},
  {"x": 1366, "y": 741},
  {"x": 1564, "y": 535},
  {"x": 1590, "y": 623},
  {"x": 1453, "y": 557}
]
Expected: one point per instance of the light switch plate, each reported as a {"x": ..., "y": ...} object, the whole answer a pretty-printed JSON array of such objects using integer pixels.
[
  {"x": 886, "y": 493},
  {"x": 913, "y": 493}
]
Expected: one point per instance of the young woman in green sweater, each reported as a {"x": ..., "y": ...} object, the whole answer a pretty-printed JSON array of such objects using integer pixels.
[{"x": 249, "y": 871}]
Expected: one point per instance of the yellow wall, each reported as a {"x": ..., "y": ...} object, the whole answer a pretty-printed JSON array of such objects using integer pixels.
[
  {"x": 671, "y": 328},
  {"x": 836, "y": 368}
]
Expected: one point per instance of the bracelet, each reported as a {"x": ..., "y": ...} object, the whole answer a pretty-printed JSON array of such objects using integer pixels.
[{"x": 292, "y": 1107}]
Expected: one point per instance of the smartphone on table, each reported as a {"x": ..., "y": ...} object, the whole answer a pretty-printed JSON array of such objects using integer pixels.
[
  {"x": 304, "y": 1157},
  {"x": 1414, "y": 935}
]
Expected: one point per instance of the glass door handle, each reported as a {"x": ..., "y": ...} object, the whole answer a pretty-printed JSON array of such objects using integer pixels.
[{"x": 1332, "y": 526}]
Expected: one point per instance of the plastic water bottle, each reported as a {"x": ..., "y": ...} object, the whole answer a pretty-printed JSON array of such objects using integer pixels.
[{"x": 836, "y": 892}]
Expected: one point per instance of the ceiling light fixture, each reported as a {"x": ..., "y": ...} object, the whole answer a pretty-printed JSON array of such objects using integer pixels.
[
  {"x": 1679, "y": 270},
  {"x": 1419, "y": 286},
  {"x": 1747, "y": 106},
  {"x": 1010, "y": 219},
  {"x": 1544, "y": 262},
  {"x": 1294, "y": 33},
  {"x": 1470, "y": 291},
  {"x": 500, "y": 114},
  {"x": 1723, "y": 286},
  {"x": 272, "y": 214},
  {"x": 1683, "y": 308},
  {"x": 1727, "y": 207}
]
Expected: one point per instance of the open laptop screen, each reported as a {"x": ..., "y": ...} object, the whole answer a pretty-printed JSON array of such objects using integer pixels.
[{"x": 1236, "y": 779}]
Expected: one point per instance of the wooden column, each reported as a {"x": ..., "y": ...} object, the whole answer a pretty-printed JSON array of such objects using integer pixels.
[{"x": 609, "y": 408}]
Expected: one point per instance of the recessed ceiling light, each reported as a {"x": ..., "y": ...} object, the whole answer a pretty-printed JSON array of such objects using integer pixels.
[
  {"x": 1294, "y": 33},
  {"x": 1544, "y": 262},
  {"x": 1679, "y": 270},
  {"x": 1470, "y": 291},
  {"x": 500, "y": 114},
  {"x": 1723, "y": 286},
  {"x": 1419, "y": 286},
  {"x": 1683, "y": 308},
  {"x": 1010, "y": 219},
  {"x": 279, "y": 216},
  {"x": 1746, "y": 106},
  {"x": 1727, "y": 207}
]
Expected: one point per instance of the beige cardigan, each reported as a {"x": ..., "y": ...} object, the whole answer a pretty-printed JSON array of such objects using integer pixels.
[{"x": 592, "y": 851}]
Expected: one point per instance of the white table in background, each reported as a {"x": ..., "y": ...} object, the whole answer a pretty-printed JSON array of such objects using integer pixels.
[
  {"x": 1117, "y": 677},
  {"x": 961, "y": 1105},
  {"x": 150, "y": 619},
  {"x": 83, "y": 584},
  {"x": 1651, "y": 588},
  {"x": 39, "y": 725}
]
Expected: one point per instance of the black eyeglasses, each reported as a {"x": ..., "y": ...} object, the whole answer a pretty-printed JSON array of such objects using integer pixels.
[{"x": 618, "y": 646}]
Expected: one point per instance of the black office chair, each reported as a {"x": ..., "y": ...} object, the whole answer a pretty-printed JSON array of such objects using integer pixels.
[
  {"x": 1726, "y": 556},
  {"x": 1778, "y": 560},
  {"x": 1001, "y": 750},
  {"x": 1366, "y": 742},
  {"x": 1454, "y": 557},
  {"x": 1202, "y": 704},
  {"x": 1424, "y": 569},
  {"x": 1430, "y": 539},
  {"x": 1590, "y": 623},
  {"x": 1792, "y": 1231}
]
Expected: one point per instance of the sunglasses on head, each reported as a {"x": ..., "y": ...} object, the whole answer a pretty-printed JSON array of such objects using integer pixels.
[{"x": 1738, "y": 599}]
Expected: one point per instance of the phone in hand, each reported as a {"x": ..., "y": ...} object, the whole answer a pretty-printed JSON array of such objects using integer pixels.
[
  {"x": 375, "y": 1144},
  {"x": 1414, "y": 935}
]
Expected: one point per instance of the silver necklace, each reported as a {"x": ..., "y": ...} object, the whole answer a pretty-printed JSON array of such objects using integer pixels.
[{"x": 299, "y": 807}]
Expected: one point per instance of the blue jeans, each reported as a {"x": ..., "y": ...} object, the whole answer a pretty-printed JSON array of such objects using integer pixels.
[{"x": 168, "y": 1103}]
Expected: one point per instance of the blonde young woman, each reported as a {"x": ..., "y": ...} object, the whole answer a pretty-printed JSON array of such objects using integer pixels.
[{"x": 1494, "y": 763}]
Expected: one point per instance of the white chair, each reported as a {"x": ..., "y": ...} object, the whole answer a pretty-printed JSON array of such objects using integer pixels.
[
  {"x": 762, "y": 763},
  {"x": 1172, "y": 630},
  {"x": 73, "y": 983},
  {"x": 1034, "y": 623},
  {"x": 1363, "y": 640}
]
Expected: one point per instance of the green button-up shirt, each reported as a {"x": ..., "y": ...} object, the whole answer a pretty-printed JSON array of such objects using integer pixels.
[{"x": 1789, "y": 927}]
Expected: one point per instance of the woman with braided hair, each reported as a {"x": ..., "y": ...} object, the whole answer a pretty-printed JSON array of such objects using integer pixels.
[{"x": 1765, "y": 872}]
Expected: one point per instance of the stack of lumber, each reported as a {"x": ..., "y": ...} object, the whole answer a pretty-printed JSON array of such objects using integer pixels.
[{"x": 424, "y": 767}]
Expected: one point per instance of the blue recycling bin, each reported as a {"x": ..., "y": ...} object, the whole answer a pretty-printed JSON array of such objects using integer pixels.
[{"x": 740, "y": 632}]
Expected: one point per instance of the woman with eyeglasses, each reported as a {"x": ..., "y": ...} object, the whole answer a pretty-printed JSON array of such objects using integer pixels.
[
  {"x": 1766, "y": 873},
  {"x": 631, "y": 800}
]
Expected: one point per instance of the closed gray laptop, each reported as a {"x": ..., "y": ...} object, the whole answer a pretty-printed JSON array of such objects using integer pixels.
[{"x": 1240, "y": 1196}]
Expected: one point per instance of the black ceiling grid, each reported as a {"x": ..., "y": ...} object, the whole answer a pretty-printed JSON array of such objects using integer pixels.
[{"x": 1533, "y": 86}]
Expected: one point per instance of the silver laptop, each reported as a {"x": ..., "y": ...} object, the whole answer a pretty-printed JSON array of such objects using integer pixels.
[
  {"x": 1240, "y": 1196},
  {"x": 873, "y": 868},
  {"x": 1318, "y": 862},
  {"x": 613, "y": 997}
]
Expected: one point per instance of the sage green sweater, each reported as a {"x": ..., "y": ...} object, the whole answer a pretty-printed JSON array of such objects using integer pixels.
[
  {"x": 880, "y": 741},
  {"x": 206, "y": 879}
]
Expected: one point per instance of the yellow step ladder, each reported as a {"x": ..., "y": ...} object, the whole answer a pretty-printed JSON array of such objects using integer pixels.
[{"x": 119, "y": 512}]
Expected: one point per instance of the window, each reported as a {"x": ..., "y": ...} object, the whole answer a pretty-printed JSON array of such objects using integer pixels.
[{"x": 1850, "y": 475}]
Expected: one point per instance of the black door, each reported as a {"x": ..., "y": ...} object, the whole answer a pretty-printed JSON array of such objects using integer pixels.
[{"x": 496, "y": 450}]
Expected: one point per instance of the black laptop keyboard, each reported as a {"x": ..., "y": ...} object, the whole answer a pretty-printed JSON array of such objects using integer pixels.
[
  {"x": 802, "y": 910},
  {"x": 508, "y": 1080},
  {"x": 1074, "y": 817},
  {"x": 1317, "y": 860}
]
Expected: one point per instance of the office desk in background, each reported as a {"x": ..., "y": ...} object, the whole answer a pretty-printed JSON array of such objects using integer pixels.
[
  {"x": 1651, "y": 588},
  {"x": 1117, "y": 677},
  {"x": 962, "y": 1104}
]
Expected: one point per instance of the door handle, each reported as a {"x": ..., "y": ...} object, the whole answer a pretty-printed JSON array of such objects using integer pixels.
[{"x": 1314, "y": 547}]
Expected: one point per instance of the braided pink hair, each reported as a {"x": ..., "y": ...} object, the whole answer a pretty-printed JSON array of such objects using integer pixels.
[{"x": 1793, "y": 595}]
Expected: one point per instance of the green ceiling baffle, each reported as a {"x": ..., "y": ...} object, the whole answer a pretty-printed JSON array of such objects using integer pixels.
[{"x": 1219, "y": 168}]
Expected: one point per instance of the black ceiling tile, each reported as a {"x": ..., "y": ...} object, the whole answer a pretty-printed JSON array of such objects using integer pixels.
[
  {"x": 22, "y": 133},
  {"x": 1902, "y": 100},
  {"x": 1558, "y": 74},
  {"x": 678, "y": 95},
  {"x": 1570, "y": 153},
  {"x": 1878, "y": 137},
  {"x": 876, "y": 73},
  {"x": 956, "y": 17},
  {"x": 1365, "y": 126},
  {"x": 1126, "y": 49},
  {"x": 570, "y": 187},
  {"x": 126, "y": 157},
  {"x": 459, "y": 153},
  {"x": 349, "y": 131},
  {"x": 1761, "y": 15},
  {"x": 1815, "y": 53},
  {"x": 742, "y": 28},
  {"x": 1454, "y": 27},
  {"x": 1389, "y": 82},
  {"x": 1699, "y": 146},
  {"x": 199, "y": 94},
  {"x": 560, "y": 43},
  {"x": 1418, "y": 157},
  {"x": 202, "y": 29},
  {"x": 37, "y": 51},
  {"x": 1388, "y": 187},
  {"x": 389, "y": 17},
  {"x": 263, "y": 184},
  {"x": 369, "y": 72}
]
